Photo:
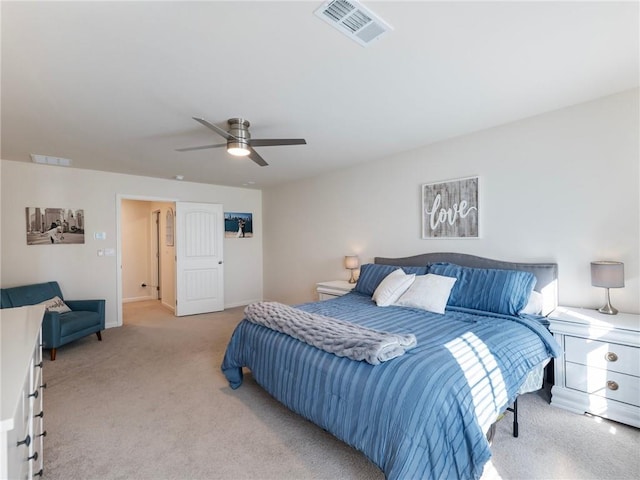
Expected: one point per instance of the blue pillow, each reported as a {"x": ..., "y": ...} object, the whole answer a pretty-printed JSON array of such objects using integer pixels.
[
  {"x": 487, "y": 289},
  {"x": 371, "y": 274}
]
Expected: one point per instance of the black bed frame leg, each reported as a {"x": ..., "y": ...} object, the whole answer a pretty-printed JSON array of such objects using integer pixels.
[{"x": 514, "y": 409}]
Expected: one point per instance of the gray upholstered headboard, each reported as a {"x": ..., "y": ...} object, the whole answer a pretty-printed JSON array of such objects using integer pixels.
[{"x": 546, "y": 273}]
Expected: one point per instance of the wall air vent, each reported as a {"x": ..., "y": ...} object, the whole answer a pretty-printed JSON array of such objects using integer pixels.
[{"x": 354, "y": 20}]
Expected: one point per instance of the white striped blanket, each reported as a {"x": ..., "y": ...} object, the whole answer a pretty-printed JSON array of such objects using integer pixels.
[{"x": 341, "y": 338}]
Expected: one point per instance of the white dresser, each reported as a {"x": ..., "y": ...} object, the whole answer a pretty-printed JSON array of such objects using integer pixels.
[
  {"x": 333, "y": 289},
  {"x": 21, "y": 421},
  {"x": 599, "y": 372}
]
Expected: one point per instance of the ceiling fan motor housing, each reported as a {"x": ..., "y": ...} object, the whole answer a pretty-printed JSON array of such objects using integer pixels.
[{"x": 239, "y": 128}]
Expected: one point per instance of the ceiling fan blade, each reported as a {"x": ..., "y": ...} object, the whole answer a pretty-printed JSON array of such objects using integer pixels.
[
  {"x": 257, "y": 158},
  {"x": 218, "y": 130},
  {"x": 188, "y": 149},
  {"x": 272, "y": 142}
]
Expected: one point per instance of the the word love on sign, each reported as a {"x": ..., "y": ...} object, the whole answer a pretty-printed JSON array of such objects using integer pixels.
[{"x": 450, "y": 209}]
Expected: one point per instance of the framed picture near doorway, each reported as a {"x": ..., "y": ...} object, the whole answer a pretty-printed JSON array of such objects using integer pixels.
[
  {"x": 238, "y": 225},
  {"x": 169, "y": 228},
  {"x": 54, "y": 226}
]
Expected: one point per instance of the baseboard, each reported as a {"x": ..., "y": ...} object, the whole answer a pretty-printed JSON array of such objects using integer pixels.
[
  {"x": 243, "y": 303},
  {"x": 166, "y": 305},
  {"x": 137, "y": 299}
]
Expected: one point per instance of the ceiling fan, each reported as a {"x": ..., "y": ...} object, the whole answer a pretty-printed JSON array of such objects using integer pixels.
[{"x": 239, "y": 141}]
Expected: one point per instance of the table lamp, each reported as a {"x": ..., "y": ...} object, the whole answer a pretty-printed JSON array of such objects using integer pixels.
[
  {"x": 607, "y": 275},
  {"x": 351, "y": 262}
]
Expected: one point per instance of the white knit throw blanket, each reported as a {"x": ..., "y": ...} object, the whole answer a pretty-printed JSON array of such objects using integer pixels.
[{"x": 332, "y": 335}]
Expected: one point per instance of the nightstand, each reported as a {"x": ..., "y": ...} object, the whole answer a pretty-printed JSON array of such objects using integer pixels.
[
  {"x": 333, "y": 289},
  {"x": 600, "y": 370}
]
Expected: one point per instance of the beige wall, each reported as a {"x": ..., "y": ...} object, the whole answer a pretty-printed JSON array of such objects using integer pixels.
[
  {"x": 562, "y": 187},
  {"x": 136, "y": 241},
  {"x": 78, "y": 268}
]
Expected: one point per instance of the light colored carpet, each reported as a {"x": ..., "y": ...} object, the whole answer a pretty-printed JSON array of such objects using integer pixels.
[{"x": 150, "y": 402}]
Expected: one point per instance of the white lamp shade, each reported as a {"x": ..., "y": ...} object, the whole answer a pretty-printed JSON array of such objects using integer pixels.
[
  {"x": 351, "y": 262},
  {"x": 607, "y": 274},
  {"x": 238, "y": 149}
]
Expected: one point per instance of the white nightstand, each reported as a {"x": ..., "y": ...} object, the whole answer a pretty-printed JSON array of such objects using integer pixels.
[
  {"x": 600, "y": 370},
  {"x": 333, "y": 289}
]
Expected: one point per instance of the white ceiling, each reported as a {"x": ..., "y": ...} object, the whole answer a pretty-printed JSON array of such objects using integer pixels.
[{"x": 113, "y": 85}]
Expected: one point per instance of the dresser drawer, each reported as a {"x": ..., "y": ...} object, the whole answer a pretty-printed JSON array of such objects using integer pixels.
[
  {"x": 605, "y": 355},
  {"x": 603, "y": 383},
  {"x": 326, "y": 296},
  {"x": 17, "y": 451}
]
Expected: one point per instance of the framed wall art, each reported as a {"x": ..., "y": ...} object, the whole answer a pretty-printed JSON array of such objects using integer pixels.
[
  {"x": 238, "y": 225},
  {"x": 450, "y": 209},
  {"x": 54, "y": 226},
  {"x": 169, "y": 228}
]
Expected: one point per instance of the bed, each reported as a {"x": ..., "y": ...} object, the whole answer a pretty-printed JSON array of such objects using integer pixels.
[{"x": 426, "y": 413}]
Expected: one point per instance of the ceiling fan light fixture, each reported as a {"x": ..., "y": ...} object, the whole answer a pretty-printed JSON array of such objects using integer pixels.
[{"x": 238, "y": 149}]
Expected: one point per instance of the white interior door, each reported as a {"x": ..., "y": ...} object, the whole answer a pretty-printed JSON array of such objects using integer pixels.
[{"x": 199, "y": 269}]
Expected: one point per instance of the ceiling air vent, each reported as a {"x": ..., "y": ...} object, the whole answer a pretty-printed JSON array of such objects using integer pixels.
[
  {"x": 354, "y": 20},
  {"x": 49, "y": 160}
]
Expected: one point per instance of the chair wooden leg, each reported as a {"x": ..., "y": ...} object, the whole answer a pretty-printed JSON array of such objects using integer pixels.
[
  {"x": 99, "y": 334},
  {"x": 53, "y": 354}
]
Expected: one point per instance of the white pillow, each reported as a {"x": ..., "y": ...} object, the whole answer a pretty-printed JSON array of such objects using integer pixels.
[
  {"x": 429, "y": 292},
  {"x": 391, "y": 287},
  {"x": 534, "y": 305},
  {"x": 55, "y": 304}
]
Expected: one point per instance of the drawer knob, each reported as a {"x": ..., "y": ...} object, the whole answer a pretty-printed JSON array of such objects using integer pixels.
[
  {"x": 611, "y": 385},
  {"x": 611, "y": 357},
  {"x": 43, "y": 434},
  {"x": 41, "y": 414},
  {"x": 38, "y": 474},
  {"x": 34, "y": 394},
  {"x": 26, "y": 442},
  {"x": 33, "y": 457},
  {"x": 38, "y": 364}
]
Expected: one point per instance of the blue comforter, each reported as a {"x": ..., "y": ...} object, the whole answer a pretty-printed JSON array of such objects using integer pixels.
[{"x": 421, "y": 415}]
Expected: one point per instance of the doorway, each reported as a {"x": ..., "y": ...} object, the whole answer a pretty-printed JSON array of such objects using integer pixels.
[
  {"x": 189, "y": 239},
  {"x": 147, "y": 262}
]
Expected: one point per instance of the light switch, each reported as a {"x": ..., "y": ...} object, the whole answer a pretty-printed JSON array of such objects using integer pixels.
[{"x": 109, "y": 252}]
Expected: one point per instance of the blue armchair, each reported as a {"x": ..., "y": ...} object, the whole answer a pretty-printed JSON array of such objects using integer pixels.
[{"x": 86, "y": 316}]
